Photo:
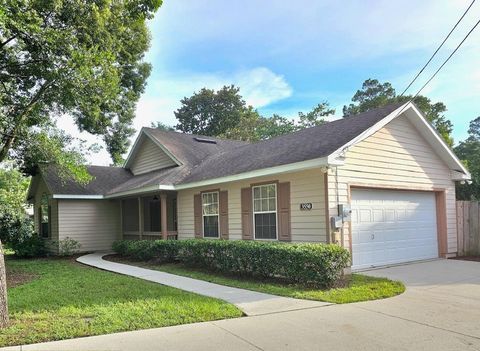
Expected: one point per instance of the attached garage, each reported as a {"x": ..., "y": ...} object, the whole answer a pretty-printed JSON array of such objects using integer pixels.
[{"x": 390, "y": 227}]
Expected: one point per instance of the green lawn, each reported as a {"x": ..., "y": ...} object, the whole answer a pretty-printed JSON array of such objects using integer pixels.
[
  {"x": 355, "y": 289},
  {"x": 64, "y": 299}
]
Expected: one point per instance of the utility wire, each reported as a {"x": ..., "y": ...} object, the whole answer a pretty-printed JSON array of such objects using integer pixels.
[
  {"x": 441, "y": 66},
  {"x": 436, "y": 51}
]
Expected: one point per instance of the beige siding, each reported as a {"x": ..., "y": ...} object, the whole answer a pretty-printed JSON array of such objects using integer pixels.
[
  {"x": 149, "y": 158},
  {"x": 305, "y": 186},
  {"x": 93, "y": 223},
  {"x": 42, "y": 189},
  {"x": 396, "y": 156}
]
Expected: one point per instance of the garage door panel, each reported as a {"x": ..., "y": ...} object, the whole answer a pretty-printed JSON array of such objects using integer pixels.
[{"x": 392, "y": 227}]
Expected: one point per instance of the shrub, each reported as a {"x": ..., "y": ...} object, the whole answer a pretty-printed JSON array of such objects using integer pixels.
[
  {"x": 309, "y": 264},
  {"x": 32, "y": 246},
  {"x": 19, "y": 236},
  {"x": 161, "y": 251},
  {"x": 68, "y": 247}
]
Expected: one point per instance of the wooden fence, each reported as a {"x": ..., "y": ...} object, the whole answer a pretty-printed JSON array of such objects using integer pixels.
[{"x": 468, "y": 226}]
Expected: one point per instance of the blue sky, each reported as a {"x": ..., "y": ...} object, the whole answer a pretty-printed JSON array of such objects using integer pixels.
[{"x": 288, "y": 56}]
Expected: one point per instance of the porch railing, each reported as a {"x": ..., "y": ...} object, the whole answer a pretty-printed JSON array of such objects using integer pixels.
[{"x": 171, "y": 235}]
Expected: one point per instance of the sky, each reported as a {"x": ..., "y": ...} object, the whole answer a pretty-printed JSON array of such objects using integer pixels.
[{"x": 288, "y": 56}]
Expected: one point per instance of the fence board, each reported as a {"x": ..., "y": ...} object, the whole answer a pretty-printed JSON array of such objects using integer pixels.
[
  {"x": 460, "y": 243},
  {"x": 468, "y": 227}
]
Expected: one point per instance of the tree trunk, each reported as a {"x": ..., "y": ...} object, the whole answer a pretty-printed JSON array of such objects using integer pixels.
[
  {"x": 3, "y": 291},
  {"x": 6, "y": 147}
]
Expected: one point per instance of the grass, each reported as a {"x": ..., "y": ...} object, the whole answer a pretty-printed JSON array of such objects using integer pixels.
[
  {"x": 356, "y": 288},
  {"x": 64, "y": 299}
]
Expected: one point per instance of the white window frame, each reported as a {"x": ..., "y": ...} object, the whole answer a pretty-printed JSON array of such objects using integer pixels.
[
  {"x": 211, "y": 215},
  {"x": 264, "y": 212}
]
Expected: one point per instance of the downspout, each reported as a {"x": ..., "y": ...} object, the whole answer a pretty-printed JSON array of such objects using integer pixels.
[{"x": 342, "y": 238}]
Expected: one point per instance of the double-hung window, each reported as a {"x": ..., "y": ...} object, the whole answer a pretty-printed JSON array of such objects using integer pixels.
[
  {"x": 265, "y": 211},
  {"x": 210, "y": 215}
]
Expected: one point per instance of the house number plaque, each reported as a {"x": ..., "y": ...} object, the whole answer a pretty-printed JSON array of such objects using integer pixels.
[{"x": 307, "y": 206}]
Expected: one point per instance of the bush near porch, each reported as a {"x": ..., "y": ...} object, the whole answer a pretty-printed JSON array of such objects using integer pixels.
[{"x": 308, "y": 264}]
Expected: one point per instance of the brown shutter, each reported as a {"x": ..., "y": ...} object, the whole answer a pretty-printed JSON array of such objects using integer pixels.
[
  {"x": 223, "y": 211},
  {"x": 247, "y": 214},
  {"x": 197, "y": 213},
  {"x": 284, "y": 227}
]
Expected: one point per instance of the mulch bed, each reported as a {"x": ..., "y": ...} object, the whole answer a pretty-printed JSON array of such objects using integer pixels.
[{"x": 467, "y": 258}]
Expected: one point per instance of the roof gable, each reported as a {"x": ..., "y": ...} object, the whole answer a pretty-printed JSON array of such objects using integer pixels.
[
  {"x": 149, "y": 154},
  {"x": 426, "y": 130}
]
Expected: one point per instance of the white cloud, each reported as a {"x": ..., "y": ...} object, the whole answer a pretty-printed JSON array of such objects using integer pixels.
[{"x": 258, "y": 86}]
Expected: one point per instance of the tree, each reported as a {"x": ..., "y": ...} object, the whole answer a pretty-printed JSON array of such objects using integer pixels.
[
  {"x": 247, "y": 127},
  {"x": 82, "y": 58},
  {"x": 469, "y": 152},
  {"x": 374, "y": 94},
  {"x": 253, "y": 127},
  {"x": 274, "y": 126},
  {"x": 13, "y": 191},
  {"x": 3, "y": 291},
  {"x": 316, "y": 116},
  {"x": 210, "y": 112},
  {"x": 162, "y": 126}
]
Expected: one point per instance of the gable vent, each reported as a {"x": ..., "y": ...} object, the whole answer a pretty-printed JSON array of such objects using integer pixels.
[{"x": 203, "y": 140}]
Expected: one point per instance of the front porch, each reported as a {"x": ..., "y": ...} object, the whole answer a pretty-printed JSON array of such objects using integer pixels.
[{"x": 149, "y": 217}]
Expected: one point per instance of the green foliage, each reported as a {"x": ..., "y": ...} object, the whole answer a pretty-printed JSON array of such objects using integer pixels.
[
  {"x": 375, "y": 94},
  {"x": 52, "y": 146},
  {"x": 68, "y": 247},
  {"x": 13, "y": 191},
  {"x": 316, "y": 116},
  {"x": 18, "y": 234},
  {"x": 309, "y": 264},
  {"x": 29, "y": 246},
  {"x": 67, "y": 300},
  {"x": 210, "y": 112},
  {"x": 162, "y": 126},
  {"x": 82, "y": 58},
  {"x": 225, "y": 114},
  {"x": 469, "y": 152}
]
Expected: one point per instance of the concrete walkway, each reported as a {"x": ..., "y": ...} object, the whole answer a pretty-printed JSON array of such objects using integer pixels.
[
  {"x": 252, "y": 303},
  {"x": 439, "y": 311}
]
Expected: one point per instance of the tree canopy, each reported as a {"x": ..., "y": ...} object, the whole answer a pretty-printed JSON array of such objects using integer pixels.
[
  {"x": 225, "y": 114},
  {"x": 469, "y": 152},
  {"x": 374, "y": 94},
  {"x": 13, "y": 191},
  {"x": 81, "y": 58},
  {"x": 211, "y": 112}
]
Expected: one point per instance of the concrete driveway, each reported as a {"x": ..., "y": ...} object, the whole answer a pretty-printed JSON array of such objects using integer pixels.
[{"x": 439, "y": 311}]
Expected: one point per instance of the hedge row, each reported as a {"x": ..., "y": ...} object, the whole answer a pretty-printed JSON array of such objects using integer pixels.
[{"x": 309, "y": 264}]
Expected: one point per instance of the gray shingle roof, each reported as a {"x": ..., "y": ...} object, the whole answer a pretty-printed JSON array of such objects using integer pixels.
[
  {"x": 104, "y": 179},
  {"x": 299, "y": 146},
  {"x": 201, "y": 161},
  {"x": 189, "y": 151}
]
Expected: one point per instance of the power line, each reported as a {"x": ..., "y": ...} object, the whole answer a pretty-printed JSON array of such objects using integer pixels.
[
  {"x": 436, "y": 51},
  {"x": 439, "y": 68}
]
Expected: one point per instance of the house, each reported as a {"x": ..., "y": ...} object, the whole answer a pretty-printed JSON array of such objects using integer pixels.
[{"x": 390, "y": 172}]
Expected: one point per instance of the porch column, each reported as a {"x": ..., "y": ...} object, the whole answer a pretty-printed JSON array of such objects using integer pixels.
[
  {"x": 163, "y": 215},
  {"x": 140, "y": 217}
]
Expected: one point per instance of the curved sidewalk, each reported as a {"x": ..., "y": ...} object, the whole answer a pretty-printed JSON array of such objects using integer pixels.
[{"x": 250, "y": 302}]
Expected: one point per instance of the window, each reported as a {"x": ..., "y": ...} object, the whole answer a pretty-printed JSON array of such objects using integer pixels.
[
  {"x": 210, "y": 215},
  {"x": 265, "y": 211},
  {"x": 44, "y": 216}
]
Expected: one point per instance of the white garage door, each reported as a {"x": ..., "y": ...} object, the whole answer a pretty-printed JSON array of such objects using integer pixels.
[{"x": 392, "y": 227}]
